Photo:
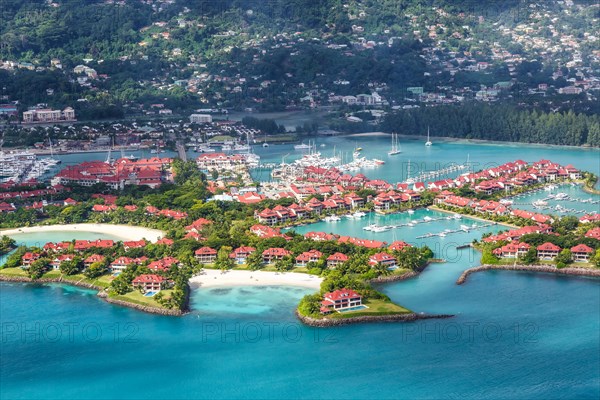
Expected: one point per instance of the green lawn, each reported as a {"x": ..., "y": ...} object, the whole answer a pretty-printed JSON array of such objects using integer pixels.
[
  {"x": 376, "y": 307},
  {"x": 138, "y": 298},
  {"x": 13, "y": 272}
]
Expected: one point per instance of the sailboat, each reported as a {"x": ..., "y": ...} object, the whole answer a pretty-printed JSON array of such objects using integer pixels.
[
  {"x": 395, "y": 147},
  {"x": 428, "y": 142},
  {"x": 409, "y": 180}
]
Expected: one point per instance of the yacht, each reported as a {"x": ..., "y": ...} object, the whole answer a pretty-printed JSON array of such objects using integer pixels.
[
  {"x": 540, "y": 203},
  {"x": 370, "y": 227},
  {"x": 302, "y": 146},
  {"x": 265, "y": 144},
  {"x": 427, "y": 218},
  {"x": 241, "y": 147},
  {"x": 561, "y": 196},
  {"x": 332, "y": 218},
  {"x": 506, "y": 201},
  {"x": 411, "y": 212},
  {"x": 378, "y": 229},
  {"x": 428, "y": 142},
  {"x": 359, "y": 214},
  {"x": 395, "y": 146}
]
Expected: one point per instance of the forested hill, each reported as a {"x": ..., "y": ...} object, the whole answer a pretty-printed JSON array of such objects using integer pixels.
[{"x": 115, "y": 58}]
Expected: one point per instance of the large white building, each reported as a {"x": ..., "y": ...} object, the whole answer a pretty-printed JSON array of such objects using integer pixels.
[
  {"x": 47, "y": 115},
  {"x": 200, "y": 118}
]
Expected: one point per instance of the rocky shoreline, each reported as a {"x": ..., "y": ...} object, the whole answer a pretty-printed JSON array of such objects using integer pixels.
[
  {"x": 152, "y": 310},
  {"x": 530, "y": 268},
  {"x": 101, "y": 293},
  {"x": 328, "y": 322},
  {"x": 395, "y": 278}
]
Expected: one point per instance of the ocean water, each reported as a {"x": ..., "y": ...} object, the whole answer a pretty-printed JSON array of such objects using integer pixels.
[
  {"x": 514, "y": 335},
  {"x": 440, "y": 155}
]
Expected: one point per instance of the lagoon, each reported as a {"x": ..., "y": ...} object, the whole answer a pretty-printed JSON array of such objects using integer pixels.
[{"x": 515, "y": 335}]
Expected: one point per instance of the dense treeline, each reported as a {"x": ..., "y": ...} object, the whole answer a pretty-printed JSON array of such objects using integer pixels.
[{"x": 498, "y": 122}]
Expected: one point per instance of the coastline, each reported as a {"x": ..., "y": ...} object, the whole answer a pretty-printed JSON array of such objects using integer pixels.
[
  {"x": 435, "y": 208},
  {"x": 589, "y": 272},
  {"x": 457, "y": 140},
  {"x": 125, "y": 232},
  {"x": 211, "y": 278},
  {"x": 101, "y": 293},
  {"x": 328, "y": 322}
]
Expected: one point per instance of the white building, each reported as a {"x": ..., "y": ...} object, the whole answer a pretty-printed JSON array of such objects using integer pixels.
[{"x": 200, "y": 118}]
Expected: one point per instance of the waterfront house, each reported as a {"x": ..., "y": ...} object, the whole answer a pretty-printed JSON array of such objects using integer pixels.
[
  {"x": 28, "y": 258},
  {"x": 240, "y": 255},
  {"x": 94, "y": 258},
  {"x": 119, "y": 264},
  {"x": 341, "y": 299},
  {"x": 512, "y": 250},
  {"x": 547, "y": 251},
  {"x": 134, "y": 244},
  {"x": 581, "y": 253},
  {"x": 307, "y": 257},
  {"x": 336, "y": 259},
  {"x": 398, "y": 245},
  {"x": 593, "y": 233},
  {"x": 382, "y": 258},
  {"x": 206, "y": 255},
  {"x": 59, "y": 259},
  {"x": 273, "y": 254},
  {"x": 149, "y": 282},
  {"x": 163, "y": 264}
]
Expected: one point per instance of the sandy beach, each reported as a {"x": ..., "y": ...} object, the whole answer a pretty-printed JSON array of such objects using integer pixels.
[
  {"x": 124, "y": 232},
  {"x": 368, "y": 134},
  {"x": 215, "y": 278}
]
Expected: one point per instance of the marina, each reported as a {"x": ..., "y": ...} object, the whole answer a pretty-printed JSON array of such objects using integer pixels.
[{"x": 19, "y": 167}]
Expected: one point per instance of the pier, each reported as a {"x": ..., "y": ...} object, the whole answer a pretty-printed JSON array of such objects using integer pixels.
[{"x": 423, "y": 176}]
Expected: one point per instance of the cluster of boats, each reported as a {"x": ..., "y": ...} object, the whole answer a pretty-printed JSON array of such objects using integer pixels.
[
  {"x": 543, "y": 204},
  {"x": 384, "y": 228},
  {"x": 463, "y": 228},
  {"x": 335, "y": 218},
  {"x": 23, "y": 166}
]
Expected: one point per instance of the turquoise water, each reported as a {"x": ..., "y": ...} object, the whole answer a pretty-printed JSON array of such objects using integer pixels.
[
  {"x": 515, "y": 335},
  {"x": 443, "y": 153},
  {"x": 575, "y": 193}
]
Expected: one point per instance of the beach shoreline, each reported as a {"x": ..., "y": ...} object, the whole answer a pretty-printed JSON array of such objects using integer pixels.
[
  {"x": 211, "y": 278},
  {"x": 124, "y": 232}
]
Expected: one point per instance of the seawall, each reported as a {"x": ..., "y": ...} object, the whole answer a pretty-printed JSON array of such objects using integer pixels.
[
  {"x": 530, "y": 268},
  {"x": 328, "y": 322}
]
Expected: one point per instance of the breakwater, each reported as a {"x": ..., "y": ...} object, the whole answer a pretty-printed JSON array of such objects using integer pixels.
[
  {"x": 530, "y": 268},
  {"x": 363, "y": 319}
]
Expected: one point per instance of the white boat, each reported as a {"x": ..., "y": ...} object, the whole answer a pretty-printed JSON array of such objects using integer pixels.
[
  {"x": 302, "y": 146},
  {"x": 427, "y": 219},
  {"x": 465, "y": 228},
  {"x": 359, "y": 214},
  {"x": 370, "y": 227},
  {"x": 332, "y": 218},
  {"x": 395, "y": 146},
  {"x": 540, "y": 203},
  {"x": 506, "y": 201},
  {"x": 322, "y": 145},
  {"x": 457, "y": 216},
  {"x": 561, "y": 196},
  {"x": 378, "y": 229},
  {"x": 411, "y": 212},
  {"x": 441, "y": 234},
  {"x": 241, "y": 147},
  {"x": 265, "y": 144},
  {"x": 428, "y": 142}
]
